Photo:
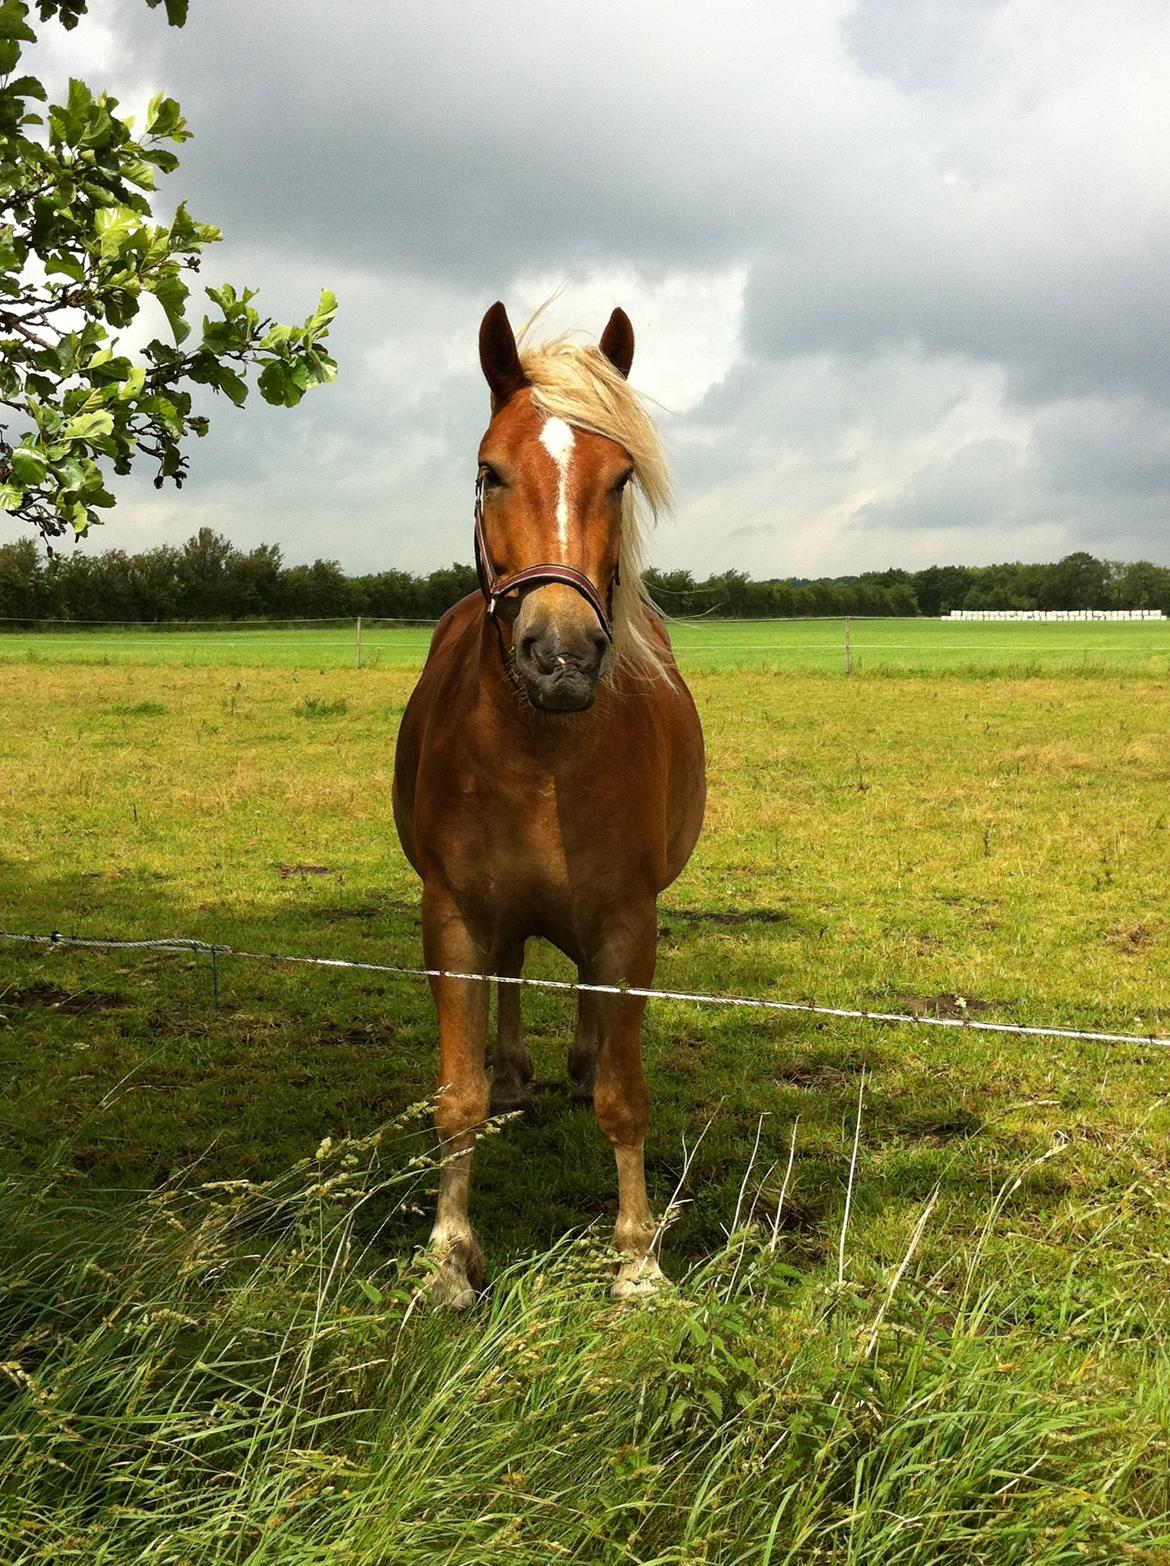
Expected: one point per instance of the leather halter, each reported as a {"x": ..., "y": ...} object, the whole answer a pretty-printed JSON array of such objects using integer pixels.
[{"x": 495, "y": 587}]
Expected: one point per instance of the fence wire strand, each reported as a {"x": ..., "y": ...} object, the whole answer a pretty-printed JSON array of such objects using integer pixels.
[{"x": 691, "y": 997}]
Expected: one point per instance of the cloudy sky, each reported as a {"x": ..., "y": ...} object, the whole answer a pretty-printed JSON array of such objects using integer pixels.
[{"x": 898, "y": 269}]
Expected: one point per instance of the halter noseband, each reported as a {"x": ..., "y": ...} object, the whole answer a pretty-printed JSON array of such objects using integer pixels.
[{"x": 495, "y": 587}]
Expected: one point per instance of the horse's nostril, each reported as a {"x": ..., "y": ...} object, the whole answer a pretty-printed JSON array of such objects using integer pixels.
[{"x": 527, "y": 643}]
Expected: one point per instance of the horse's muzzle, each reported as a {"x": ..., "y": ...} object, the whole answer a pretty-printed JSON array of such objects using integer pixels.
[{"x": 560, "y": 672}]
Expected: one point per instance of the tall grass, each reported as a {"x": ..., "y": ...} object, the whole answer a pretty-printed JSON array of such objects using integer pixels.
[{"x": 241, "y": 1373}]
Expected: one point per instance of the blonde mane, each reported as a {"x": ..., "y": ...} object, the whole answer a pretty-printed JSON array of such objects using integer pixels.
[{"x": 577, "y": 383}]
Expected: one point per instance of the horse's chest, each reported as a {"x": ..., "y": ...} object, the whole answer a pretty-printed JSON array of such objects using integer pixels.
[
  {"x": 518, "y": 833},
  {"x": 540, "y": 846}
]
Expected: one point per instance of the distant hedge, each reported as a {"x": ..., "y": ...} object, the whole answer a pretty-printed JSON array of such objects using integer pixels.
[{"x": 208, "y": 578}]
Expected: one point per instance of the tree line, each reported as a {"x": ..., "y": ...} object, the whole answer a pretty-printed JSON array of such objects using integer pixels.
[{"x": 208, "y": 578}]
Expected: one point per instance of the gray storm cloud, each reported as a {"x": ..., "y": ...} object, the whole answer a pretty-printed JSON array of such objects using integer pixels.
[{"x": 898, "y": 267}]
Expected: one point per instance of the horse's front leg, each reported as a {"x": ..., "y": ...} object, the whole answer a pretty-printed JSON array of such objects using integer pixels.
[
  {"x": 511, "y": 1062},
  {"x": 620, "y": 1096},
  {"x": 462, "y": 1102}
]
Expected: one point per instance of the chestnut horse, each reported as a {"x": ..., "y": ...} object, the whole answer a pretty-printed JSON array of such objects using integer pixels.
[{"x": 549, "y": 777}]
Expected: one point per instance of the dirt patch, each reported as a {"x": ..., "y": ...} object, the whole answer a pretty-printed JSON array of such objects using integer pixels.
[
  {"x": 51, "y": 997},
  {"x": 800, "y": 1221},
  {"x": 391, "y": 905},
  {"x": 1139, "y": 939},
  {"x": 725, "y": 916},
  {"x": 1057, "y": 757},
  {"x": 819, "y": 1076},
  {"x": 942, "y": 1005},
  {"x": 936, "y": 1131},
  {"x": 285, "y": 871}
]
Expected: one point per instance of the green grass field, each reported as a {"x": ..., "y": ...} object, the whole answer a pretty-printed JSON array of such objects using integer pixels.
[
  {"x": 212, "y": 1349},
  {"x": 808, "y": 646}
]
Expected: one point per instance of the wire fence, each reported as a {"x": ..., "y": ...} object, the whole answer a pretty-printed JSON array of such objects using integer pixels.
[
  {"x": 215, "y": 951},
  {"x": 812, "y": 643}
]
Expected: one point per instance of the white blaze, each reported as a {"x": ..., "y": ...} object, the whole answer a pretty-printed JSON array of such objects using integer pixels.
[{"x": 557, "y": 439}]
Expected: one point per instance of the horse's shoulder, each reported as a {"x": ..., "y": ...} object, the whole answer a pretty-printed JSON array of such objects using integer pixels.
[{"x": 454, "y": 624}]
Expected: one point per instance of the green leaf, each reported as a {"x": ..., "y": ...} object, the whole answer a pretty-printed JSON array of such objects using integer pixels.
[
  {"x": 70, "y": 474},
  {"x": 65, "y": 266},
  {"x": 233, "y": 385},
  {"x": 166, "y": 161},
  {"x": 277, "y": 336},
  {"x": 12, "y": 22},
  {"x": 324, "y": 368},
  {"x": 80, "y": 97},
  {"x": 116, "y": 227},
  {"x": 27, "y": 87},
  {"x": 89, "y": 426},
  {"x": 29, "y": 466},
  {"x": 165, "y": 118},
  {"x": 106, "y": 370},
  {"x": 10, "y": 497},
  {"x": 318, "y": 323},
  {"x": 273, "y": 381},
  {"x": 139, "y": 173},
  {"x": 176, "y": 11},
  {"x": 10, "y": 259},
  {"x": 132, "y": 386},
  {"x": 278, "y": 385},
  {"x": 171, "y": 292}
]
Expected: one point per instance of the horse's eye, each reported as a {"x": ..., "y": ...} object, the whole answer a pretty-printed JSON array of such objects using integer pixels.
[
  {"x": 491, "y": 479},
  {"x": 622, "y": 482}
]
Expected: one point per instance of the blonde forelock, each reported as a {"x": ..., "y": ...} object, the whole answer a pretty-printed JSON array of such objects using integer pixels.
[{"x": 574, "y": 381}]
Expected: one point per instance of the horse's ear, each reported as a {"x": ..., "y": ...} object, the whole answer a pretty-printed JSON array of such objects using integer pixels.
[
  {"x": 617, "y": 341},
  {"x": 498, "y": 356}
]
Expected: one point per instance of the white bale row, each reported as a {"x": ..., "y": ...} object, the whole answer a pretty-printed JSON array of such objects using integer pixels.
[{"x": 1055, "y": 614}]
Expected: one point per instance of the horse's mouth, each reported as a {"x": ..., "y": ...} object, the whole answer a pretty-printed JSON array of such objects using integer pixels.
[{"x": 567, "y": 694}]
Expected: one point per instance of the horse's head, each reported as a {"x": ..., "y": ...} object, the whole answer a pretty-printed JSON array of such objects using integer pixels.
[{"x": 551, "y": 497}]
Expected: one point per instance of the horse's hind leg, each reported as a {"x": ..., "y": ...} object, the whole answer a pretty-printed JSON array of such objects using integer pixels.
[
  {"x": 620, "y": 1096},
  {"x": 511, "y": 1062},
  {"x": 462, "y": 1101},
  {"x": 586, "y": 1046}
]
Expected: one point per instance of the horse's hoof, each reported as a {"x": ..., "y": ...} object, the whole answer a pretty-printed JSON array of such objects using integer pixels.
[
  {"x": 638, "y": 1279},
  {"x": 455, "y": 1273},
  {"x": 451, "y": 1294},
  {"x": 508, "y": 1097}
]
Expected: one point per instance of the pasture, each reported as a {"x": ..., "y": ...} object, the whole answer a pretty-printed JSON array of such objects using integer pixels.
[
  {"x": 906, "y": 646},
  {"x": 946, "y": 1342}
]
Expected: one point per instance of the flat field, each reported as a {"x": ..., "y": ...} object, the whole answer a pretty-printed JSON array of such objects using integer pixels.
[
  {"x": 808, "y": 646},
  {"x": 948, "y": 1342}
]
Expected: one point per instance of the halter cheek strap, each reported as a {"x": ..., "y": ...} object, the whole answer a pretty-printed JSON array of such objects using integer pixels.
[{"x": 495, "y": 587}]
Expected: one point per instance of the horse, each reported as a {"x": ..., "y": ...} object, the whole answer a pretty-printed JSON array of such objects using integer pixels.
[{"x": 549, "y": 775}]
